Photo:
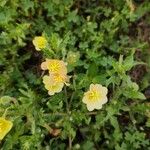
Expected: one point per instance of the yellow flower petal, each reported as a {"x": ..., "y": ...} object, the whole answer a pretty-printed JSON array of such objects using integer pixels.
[
  {"x": 55, "y": 88},
  {"x": 39, "y": 42},
  {"x": 5, "y": 127},
  {"x": 90, "y": 107},
  {"x": 44, "y": 66},
  {"x": 95, "y": 97}
]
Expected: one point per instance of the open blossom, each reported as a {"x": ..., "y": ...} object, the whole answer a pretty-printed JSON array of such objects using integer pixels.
[
  {"x": 57, "y": 77},
  {"x": 54, "y": 66},
  {"x": 95, "y": 97},
  {"x": 51, "y": 85},
  {"x": 60, "y": 78},
  {"x": 39, "y": 42},
  {"x": 5, "y": 127}
]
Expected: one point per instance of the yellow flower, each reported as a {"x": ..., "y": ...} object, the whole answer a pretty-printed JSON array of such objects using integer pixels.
[
  {"x": 39, "y": 42},
  {"x": 54, "y": 66},
  {"x": 95, "y": 97},
  {"x": 52, "y": 85},
  {"x": 5, "y": 127},
  {"x": 57, "y": 75}
]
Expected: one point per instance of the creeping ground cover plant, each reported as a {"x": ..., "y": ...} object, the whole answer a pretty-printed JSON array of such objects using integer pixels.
[{"x": 74, "y": 75}]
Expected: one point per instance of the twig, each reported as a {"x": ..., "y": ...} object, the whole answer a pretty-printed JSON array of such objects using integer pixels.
[
  {"x": 70, "y": 143},
  {"x": 65, "y": 114},
  {"x": 68, "y": 113},
  {"x": 92, "y": 113},
  {"x": 56, "y": 114}
]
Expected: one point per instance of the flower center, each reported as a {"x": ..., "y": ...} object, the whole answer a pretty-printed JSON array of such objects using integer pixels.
[
  {"x": 93, "y": 95},
  {"x": 55, "y": 87},
  {"x": 54, "y": 67},
  {"x": 41, "y": 43},
  {"x": 59, "y": 78}
]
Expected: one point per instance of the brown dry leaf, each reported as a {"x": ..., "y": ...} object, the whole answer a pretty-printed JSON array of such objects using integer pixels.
[{"x": 55, "y": 132}]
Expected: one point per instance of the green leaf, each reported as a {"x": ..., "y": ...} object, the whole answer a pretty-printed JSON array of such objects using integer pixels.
[
  {"x": 92, "y": 70},
  {"x": 134, "y": 94},
  {"x": 5, "y": 100},
  {"x": 128, "y": 62}
]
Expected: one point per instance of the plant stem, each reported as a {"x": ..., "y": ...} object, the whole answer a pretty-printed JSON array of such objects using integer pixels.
[
  {"x": 66, "y": 100},
  {"x": 72, "y": 96},
  {"x": 70, "y": 143},
  {"x": 92, "y": 113},
  {"x": 5, "y": 112},
  {"x": 65, "y": 114},
  {"x": 56, "y": 114}
]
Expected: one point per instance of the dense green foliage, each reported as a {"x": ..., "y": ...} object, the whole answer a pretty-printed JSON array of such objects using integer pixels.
[{"x": 103, "y": 41}]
